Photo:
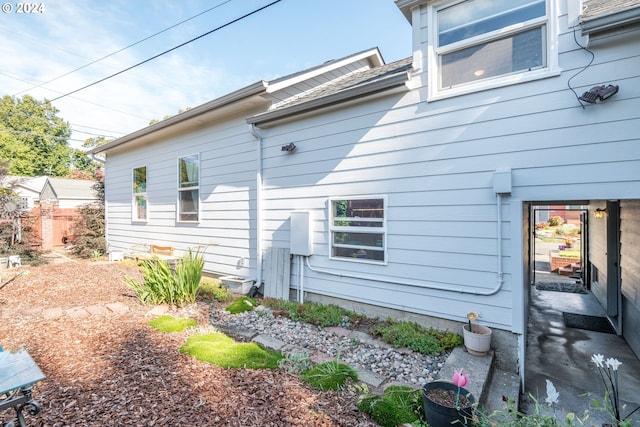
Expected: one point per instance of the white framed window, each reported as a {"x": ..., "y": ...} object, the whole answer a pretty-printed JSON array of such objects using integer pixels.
[
  {"x": 479, "y": 44},
  {"x": 358, "y": 228},
  {"x": 139, "y": 192},
  {"x": 189, "y": 188}
]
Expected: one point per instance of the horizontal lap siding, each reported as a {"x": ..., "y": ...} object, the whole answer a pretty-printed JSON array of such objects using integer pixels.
[
  {"x": 227, "y": 196},
  {"x": 435, "y": 163},
  {"x": 441, "y": 218}
]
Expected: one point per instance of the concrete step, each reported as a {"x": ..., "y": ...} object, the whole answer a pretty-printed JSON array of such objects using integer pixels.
[{"x": 487, "y": 384}]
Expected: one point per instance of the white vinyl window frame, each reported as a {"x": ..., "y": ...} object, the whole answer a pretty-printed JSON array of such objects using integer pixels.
[
  {"x": 188, "y": 183},
  {"x": 549, "y": 26},
  {"x": 139, "y": 199},
  {"x": 372, "y": 252}
]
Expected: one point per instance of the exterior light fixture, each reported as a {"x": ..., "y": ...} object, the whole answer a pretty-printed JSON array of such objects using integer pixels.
[
  {"x": 289, "y": 147},
  {"x": 599, "y": 213},
  {"x": 599, "y": 93}
]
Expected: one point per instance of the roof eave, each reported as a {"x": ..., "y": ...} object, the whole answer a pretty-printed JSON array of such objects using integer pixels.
[
  {"x": 336, "y": 98},
  {"x": 611, "y": 21},
  {"x": 251, "y": 90}
]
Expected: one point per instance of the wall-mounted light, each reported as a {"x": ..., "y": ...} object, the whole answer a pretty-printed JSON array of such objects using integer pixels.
[
  {"x": 289, "y": 147},
  {"x": 599, "y": 213},
  {"x": 599, "y": 93}
]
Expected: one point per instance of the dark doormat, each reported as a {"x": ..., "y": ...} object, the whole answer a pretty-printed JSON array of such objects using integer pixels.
[
  {"x": 590, "y": 323},
  {"x": 574, "y": 288}
]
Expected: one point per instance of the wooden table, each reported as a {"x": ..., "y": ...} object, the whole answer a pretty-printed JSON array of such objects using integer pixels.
[{"x": 18, "y": 374}]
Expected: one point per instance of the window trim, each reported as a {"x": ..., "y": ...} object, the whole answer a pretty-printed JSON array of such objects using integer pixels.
[
  {"x": 179, "y": 190},
  {"x": 134, "y": 195},
  {"x": 376, "y": 230},
  {"x": 550, "y": 45}
]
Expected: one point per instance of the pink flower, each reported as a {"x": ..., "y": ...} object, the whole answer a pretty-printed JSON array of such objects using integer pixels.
[{"x": 459, "y": 379}]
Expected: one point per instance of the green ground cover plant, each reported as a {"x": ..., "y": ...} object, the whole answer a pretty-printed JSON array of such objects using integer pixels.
[
  {"x": 212, "y": 289},
  {"x": 172, "y": 324},
  {"x": 416, "y": 337},
  {"x": 313, "y": 312},
  {"x": 241, "y": 305},
  {"x": 331, "y": 375},
  {"x": 397, "y": 405},
  {"x": 219, "y": 349}
]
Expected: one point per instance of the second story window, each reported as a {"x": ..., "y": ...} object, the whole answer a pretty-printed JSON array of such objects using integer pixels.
[
  {"x": 139, "y": 202},
  {"x": 189, "y": 188},
  {"x": 475, "y": 41}
]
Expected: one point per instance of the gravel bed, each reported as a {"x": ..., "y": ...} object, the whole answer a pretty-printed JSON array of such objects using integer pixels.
[{"x": 396, "y": 365}]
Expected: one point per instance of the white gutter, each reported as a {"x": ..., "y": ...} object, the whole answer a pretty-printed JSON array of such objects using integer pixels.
[{"x": 258, "y": 137}]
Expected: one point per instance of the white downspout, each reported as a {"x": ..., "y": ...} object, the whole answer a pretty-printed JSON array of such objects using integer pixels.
[
  {"x": 301, "y": 284},
  {"x": 258, "y": 137}
]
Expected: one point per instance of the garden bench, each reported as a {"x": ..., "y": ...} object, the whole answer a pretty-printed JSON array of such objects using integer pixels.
[{"x": 18, "y": 374}]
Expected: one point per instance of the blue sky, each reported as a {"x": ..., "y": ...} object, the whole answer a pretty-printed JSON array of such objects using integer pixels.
[{"x": 284, "y": 38}]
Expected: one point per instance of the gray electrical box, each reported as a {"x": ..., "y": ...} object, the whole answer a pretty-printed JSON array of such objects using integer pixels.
[
  {"x": 300, "y": 234},
  {"x": 502, "y": 181}
]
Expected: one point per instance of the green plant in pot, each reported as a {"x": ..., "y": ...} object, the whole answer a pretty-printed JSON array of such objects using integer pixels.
[
  {"x": 477, "y": 338},
  {"x": 447, "y": 402}
]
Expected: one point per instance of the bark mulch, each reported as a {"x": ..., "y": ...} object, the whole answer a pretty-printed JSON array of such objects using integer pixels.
[{"x": 110, "y": 368}]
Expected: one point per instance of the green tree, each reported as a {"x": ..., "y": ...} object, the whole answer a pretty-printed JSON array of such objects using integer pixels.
[{"x": 33, "y": 138}]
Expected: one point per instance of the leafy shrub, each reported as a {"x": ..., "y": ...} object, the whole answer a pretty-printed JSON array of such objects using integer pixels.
[
  {"x": 241, "y": 305},
  {"x": 213, "y": 289},
  {"x": 88, "y": 230},
  {"x": 555, "y": 221},
  {"x": 312, "y": 312},
  {"x": 398, "y": 405},
  {"x": 161, "y": 286},
  {"x": 296, "y": 362},
  {"x": 416, "y": 337},
  {"x": 172, "y": 324},
  {"x": 219, "y": 349},
  {"x": 331, "y": 375}
]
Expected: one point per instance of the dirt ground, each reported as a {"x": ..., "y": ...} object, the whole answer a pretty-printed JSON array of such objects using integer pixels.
[{"x": 107, "y": 367}]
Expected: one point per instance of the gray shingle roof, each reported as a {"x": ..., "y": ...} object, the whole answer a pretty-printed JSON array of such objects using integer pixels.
[
  {"x": 349, "y": 82},
  {"x": 598, "y": 8}
]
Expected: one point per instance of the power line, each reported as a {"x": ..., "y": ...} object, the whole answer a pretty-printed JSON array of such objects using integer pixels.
[
  {"x": 169, "y": 50},
  {"x": 82, "y": 100},
  {"x": 122, "y": 49}
]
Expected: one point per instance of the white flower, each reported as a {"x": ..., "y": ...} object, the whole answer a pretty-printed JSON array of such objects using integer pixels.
[
  {"x": 613, "y": 363},
  {"x": 598, "y": 359},
  {"x": 552, "y": 393}
]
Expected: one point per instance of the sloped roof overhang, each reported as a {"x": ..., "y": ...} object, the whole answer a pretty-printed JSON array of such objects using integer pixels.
[
  {"x": 357, "y": 92},
  {"x": 250, "y": 94}
]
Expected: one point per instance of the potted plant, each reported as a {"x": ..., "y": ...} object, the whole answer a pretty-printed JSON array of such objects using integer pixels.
[
  {"x": 447, "y": 402},
  {"x": 477, "y": 339}
]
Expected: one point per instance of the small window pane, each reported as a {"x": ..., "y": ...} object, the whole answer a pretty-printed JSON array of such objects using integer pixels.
[
  {"x": 140, "y": 207},
  {"x": 523, "y": 51},
  {"x": 140, "y": 180},
  {"x": 189, "y": 173},
  {"x": 188, "y": 200},
  {"x": 476, "y": 17}
]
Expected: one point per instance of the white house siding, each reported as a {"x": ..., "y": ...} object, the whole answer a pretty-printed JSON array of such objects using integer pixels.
[
  {"x": 435, "y": 163},
  {"x": 227, "y": 196}
]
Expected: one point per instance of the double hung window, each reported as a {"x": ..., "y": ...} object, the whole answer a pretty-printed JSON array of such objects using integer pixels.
[
  {"x": 474, "y": 42},
  {"x": 358, "y": 228},
  {"x": 188, "y": 188},
  {"x": 139, "y": 201}
]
